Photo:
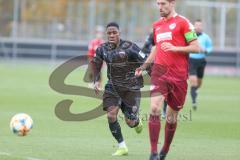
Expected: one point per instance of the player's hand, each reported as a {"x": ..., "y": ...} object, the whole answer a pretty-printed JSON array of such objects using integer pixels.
[
  {"x": 97, "y": 87},
  {"x": 138, "y": 72},
  {"x": 168, "y": 47}
]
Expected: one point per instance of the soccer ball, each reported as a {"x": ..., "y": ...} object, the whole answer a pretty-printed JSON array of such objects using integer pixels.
[{"x": 21, "y": 124}]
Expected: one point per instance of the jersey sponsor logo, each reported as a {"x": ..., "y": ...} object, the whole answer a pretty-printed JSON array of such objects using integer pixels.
[
  {"x": 172, "y": 26},
  {"x": 142, "y": 54},
  {"x": 164, "y": 36}
]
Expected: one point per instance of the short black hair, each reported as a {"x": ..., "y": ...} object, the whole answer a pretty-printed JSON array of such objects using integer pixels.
[{"x": 112, "y": 24}]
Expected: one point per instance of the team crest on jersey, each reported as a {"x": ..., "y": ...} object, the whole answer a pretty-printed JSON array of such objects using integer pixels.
[
  {"x": 122, "y": 54},
  {"x": 172, "y": 26},
  {"x": 164, "y": 36}
]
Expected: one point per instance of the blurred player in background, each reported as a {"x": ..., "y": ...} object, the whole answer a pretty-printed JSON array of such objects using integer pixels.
[
  {"x": 198, "y": 61},
  {"x": 149, "y": 43},
  {"x": 92, "y": 47},
  {"x": 174, "y": 39},
  {"x": 95, "y": 43},
  {"x": 122, "y": 90}
]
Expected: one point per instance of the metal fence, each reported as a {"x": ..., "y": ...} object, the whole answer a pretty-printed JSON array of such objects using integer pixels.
[
  {"x": 73, "y": 21},
  {"x": 78, "y": 19}
]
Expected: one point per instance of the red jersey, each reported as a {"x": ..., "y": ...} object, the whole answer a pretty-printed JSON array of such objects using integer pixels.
[
  {"x": 93, "y": 45},
  {"x": 178, "y": 31}
]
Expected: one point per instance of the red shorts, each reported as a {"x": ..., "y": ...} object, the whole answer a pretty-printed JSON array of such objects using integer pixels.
[{"x": 174, "y": 91}]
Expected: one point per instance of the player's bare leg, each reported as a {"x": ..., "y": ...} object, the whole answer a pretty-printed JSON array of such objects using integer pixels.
[
  {"x": 115, "y": 129},
  {"x": 170, "y": 128},
  {"x": 164, "y": 110},
  {"x": 154, "y": 124}
]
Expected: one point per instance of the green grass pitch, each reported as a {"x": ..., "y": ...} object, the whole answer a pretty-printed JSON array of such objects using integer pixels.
[{"x": 212, "y": 133}]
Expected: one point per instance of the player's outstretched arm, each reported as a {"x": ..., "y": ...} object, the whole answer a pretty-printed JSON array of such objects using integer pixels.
[
  {"x": 193, "y": 47},
  {"x": 149, "y": 60}
]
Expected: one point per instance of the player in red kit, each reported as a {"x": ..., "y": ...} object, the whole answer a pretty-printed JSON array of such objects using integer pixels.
[
  {"x": 92, "y": 47},
  {"x": 174, "y": 39}
]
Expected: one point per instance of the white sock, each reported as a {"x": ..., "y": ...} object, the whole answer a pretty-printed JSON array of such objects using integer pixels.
[{"x": 122, "y": 145}]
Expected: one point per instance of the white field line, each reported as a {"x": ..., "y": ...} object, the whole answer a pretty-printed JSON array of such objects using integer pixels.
[
  {"x": 5, "y": 154},
  {"x": 32, "y": 158},
  {"x": 27, "y": 158}
]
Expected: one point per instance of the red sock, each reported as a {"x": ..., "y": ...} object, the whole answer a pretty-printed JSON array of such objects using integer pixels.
[
  {"x": 154, "y": 126},
  {"x": 169, "y": 134}
]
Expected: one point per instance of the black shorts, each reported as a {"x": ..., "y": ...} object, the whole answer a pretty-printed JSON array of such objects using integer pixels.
[
  {"x": 197, "y": 67},
  {"x": 127, "y": 100}
]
